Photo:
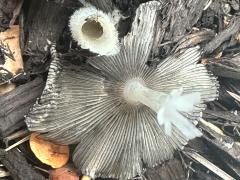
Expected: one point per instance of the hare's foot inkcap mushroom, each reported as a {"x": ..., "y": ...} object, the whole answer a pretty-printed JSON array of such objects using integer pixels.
[
  {"x": 119, "y": 114},
  {"x": 94, "y": 30}
]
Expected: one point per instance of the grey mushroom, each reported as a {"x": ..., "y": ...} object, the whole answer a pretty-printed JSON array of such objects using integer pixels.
[{"x": 117, "y": 131}]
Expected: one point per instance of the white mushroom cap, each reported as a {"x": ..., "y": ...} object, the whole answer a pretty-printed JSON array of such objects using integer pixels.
[{"x": 94, "y": 30}]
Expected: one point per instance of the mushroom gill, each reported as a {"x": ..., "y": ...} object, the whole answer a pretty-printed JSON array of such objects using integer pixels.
[{"x": 125, "y": 115}]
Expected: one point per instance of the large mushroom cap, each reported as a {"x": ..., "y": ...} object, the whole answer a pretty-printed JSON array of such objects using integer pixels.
[{"x": 116, "y": 137}]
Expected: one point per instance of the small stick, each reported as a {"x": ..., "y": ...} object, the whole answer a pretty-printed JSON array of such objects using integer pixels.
[
  {"x": 18, "y": 143},
  {"x": 197, "y": 157},
  {"x": 235, "y": 96},
  {"x": 41, "y": 169},
  {"x": 16, "y": 135}
]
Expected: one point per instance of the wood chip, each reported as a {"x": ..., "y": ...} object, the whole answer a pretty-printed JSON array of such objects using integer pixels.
[
  {"x": 3, "y": 173},
  {"x": 212, "y": 127},
  {"x": 208, "y": 165},
  {"x": 12, "y": 62}
]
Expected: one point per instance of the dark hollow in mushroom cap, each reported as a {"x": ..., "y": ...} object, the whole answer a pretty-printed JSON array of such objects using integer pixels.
[{"x": 115, "y": 138}]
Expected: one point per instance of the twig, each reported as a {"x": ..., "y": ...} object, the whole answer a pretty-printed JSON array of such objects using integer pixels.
[
  {"x": 15, "y": 135},
  {"x": 17, "y": 143},
  {"x": 197, "y": 157},
  {"x": 235, "y": 96}
]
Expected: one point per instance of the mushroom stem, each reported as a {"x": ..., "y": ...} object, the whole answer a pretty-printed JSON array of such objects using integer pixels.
[
  {"x": 136, "y": 92},
  {"x": 169, "y": 107}
]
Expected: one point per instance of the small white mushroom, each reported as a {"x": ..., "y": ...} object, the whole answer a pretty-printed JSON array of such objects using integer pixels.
[{"x": 94, "y": 30}]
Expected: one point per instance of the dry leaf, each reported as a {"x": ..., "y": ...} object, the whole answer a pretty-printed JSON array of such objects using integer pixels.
[
  {"x": 12, "y": 58},
  {"x": 63, "y": 174},
  {"x": 51, "y": 154}
]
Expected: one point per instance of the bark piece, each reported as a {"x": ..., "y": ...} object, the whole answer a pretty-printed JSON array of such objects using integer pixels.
[
  {"x": 184, "y": 15},
  {"x": 226, "y": 67},
  {"x": 105, "y": 5},
  {"x": 11, "y": 62},
  {"x": 227, "y": 153},
  {"x": 16, "y": 104},
  {"x": 225, "y": 115},
  {"x": 18, "y": 167},
  {"x": 10, "y": 43},
  {"x": 46, "y": 20},
  {"x": 223, "y": 36},
  {"x": 6, "y": 12},
  {"x": 194, "y": 39},
  {"x": 172, "y": 170}
]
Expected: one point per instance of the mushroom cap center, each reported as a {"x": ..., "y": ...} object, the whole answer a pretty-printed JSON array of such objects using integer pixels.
[{"x": 131, "y": 90}]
